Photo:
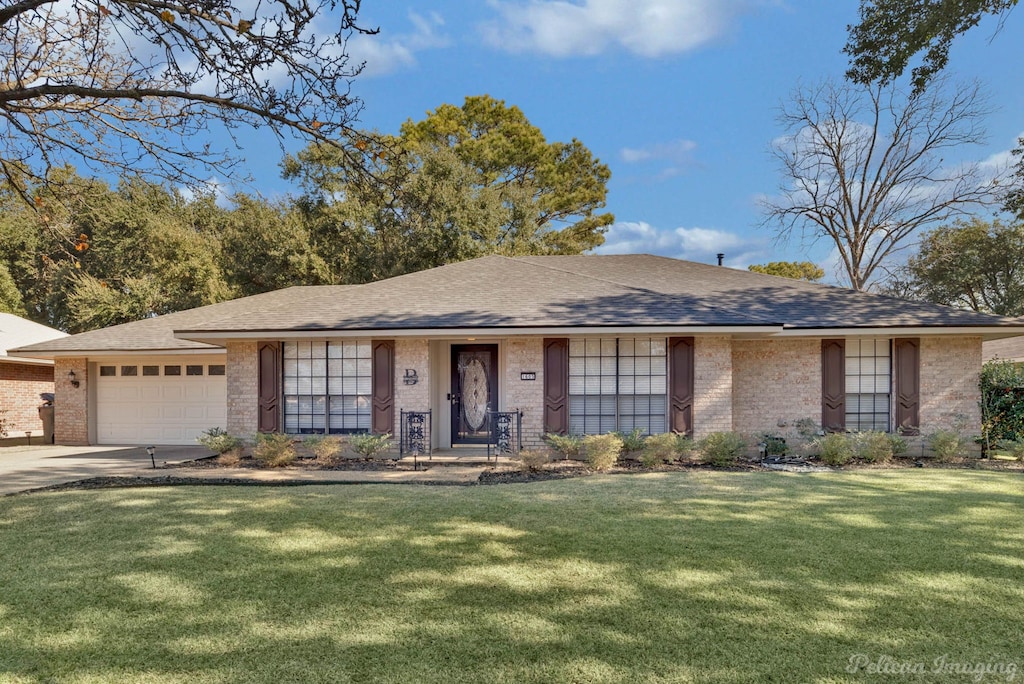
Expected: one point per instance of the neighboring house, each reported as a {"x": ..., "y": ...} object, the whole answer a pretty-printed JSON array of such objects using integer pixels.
[
  {"x": 580, "y": 344},
  {"x": 23, "y": 379}
]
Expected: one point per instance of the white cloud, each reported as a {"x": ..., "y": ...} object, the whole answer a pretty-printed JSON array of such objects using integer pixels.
[
  {"x": 693, "y": 244},
  {"x": 649, "y": 28},
  {"x": 678, "y": 151},
  {"x": 385, "y": 55}
]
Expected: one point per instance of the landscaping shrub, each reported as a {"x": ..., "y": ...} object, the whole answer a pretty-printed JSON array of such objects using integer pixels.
[
  {"x": 632, "y": 441},
  {"x": 872, "y": 447},
  {"x": 219, "y": 441},
  {"x": 1013, "y": 447},
  {"x": 602, "y": 451},
  {"x": 947, "y": 444},
  {"x": 570, "y": 446},
  {"x": 1002, "y": 401},
  {"x": 658, "y": 449},
  {"x": 230, "y": 458},
  {"x": 835, "y": 448},
  {"x": 686, "y": 450},
  {"x": 324, "y": 447},
  {"x": 531, "y": 460},
  {"x": 898, "y": 443},
  {"x": 722, "y": 448},
  {"x": 369, "y": 445},
  {"x": 274, "y": 449},
  {"x": 774, "y": 445}
]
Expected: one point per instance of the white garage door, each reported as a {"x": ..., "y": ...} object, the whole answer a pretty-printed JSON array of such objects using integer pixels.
[{"x": 167, "y": 400}]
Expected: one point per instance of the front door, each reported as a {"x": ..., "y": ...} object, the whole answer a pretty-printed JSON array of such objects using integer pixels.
[{"x": 474, "y": 391}]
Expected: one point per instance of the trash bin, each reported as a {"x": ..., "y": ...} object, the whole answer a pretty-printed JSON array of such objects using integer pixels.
[{"x": 46, "y": 415}]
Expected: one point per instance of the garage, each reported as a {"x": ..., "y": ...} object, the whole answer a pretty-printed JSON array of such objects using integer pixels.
[{"x": 158, "y": 400}]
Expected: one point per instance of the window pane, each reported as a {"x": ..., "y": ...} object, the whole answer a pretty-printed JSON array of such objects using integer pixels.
[
  {"x": 129, "y": 371},
  {"x": 108, "y": 371},
  {"x": 172, "y": 370},
  {"x": 216, "y": 370},
  {"x": 151, "y": 370}
]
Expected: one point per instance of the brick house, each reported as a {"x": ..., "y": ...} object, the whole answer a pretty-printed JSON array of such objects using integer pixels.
[
  {"x": 580, "y": 344},
  {"x": 23, "y": 379}
]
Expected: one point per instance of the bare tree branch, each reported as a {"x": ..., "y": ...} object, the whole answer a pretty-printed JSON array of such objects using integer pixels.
[
  {"x": 139, "y": 87},
  {"x": 863, "y": 167}
]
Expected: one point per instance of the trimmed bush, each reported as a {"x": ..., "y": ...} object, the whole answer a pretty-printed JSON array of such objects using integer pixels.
[
  {"x": 1013, "y": 448},
  {"x": 947, "y": 444},
  {"x": 632, "y": 441},
  {"x": 324, "y": 447},
  {"x": 274, "y": 449},
  {"x": 369, "y": 445},
  {"x": 219, "y": 441},
  {"x": 569, "y": 446},
  {"x": 531, "y": 460},
  {"x": 601, "y": 451},
  {"x": 774, "y": 445},
  {"x": 658, "y": 449},
  {"x": 229, "y": 458},
  {"x": 872, "y": 447},
  {"x": 899, "y": 444},
  {"x": 835, "y": 448},
  {"x": 722, "y": 448},
  {"x": 1002, "y": 401}
]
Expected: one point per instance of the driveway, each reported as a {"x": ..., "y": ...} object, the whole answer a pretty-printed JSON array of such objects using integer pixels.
[{"x": 28, "y": 467}]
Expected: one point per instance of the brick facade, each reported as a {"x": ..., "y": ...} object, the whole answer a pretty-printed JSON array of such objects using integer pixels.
[
  {"x": 526, "y": 354},
  {"x": 71, "y": 407},
  {"x": 712, "y": 385},
  {"x": 243, "y": 389},
  {"x": 775, "y": 383},
  {"x": 20, "y": 387},
  {"x": 949, "y": 384},
  {"x": 414, "y": 355}
]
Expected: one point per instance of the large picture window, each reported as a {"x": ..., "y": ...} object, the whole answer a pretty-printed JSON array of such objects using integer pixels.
[
  {"x": 327, "y": 387},
  {"x": 868, "y": 384},
  {"x": 617, "y": 384}
]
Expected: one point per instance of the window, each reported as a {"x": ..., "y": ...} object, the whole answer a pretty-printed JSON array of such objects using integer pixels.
[
  {"x": 327, "y": 387},
  {"x": 868, "y": 383},
  {"x": 129, "y": 371},
  {"x": 193, "y": 370},
  {"x": 151, "y": 370},
  {"x": 215, "y": 370},
  {"x": 618, "y": 384},
  {"x": 108, "y": 371},
  {"x": 172, "y": 370}
]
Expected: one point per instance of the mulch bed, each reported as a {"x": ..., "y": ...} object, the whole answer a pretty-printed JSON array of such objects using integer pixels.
[{"x": 555, "y": 470}]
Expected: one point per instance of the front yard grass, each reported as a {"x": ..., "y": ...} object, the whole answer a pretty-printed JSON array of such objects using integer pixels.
[{"x": 663, "y": 577}]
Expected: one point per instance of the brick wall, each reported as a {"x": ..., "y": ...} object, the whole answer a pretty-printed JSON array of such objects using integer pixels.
[
  {"x": 71, "y": 406},
  {"x": 526, "y": 355},
  {"x": 949, "y": 383},
  {"x": 712, "y": 385},
  {"x": 20, "y": 387},
  {"x": 411, "y": 354},
  {"x": 243, "y": 388},
  {"x": 775, "y": 383}
]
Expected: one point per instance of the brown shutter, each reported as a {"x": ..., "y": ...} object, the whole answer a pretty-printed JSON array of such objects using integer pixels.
[
  {"x": 833, "y": 385},
  {"x": 907, "y": 374},
  {"x": 383, "y": 386},
  {"x": 556, "y": 385},
  {"x": 680, "y": 385},
  {"x": 269, "y": 387}
]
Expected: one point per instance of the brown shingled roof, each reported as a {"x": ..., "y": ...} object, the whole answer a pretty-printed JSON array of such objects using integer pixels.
[{"x": 587, "y": 292}]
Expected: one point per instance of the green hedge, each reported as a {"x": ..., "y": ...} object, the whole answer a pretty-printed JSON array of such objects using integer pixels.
[{"x": 1002, "y": 401}]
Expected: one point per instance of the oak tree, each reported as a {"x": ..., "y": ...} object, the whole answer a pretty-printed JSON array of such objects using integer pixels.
[{"x": 797, "y": 270}]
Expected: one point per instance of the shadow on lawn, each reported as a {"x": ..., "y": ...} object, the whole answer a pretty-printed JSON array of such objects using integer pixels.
[{"x": 723, "y": 577}]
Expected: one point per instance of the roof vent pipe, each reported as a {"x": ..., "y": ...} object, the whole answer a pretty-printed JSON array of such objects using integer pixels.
[{"x": 720, "y": 257}]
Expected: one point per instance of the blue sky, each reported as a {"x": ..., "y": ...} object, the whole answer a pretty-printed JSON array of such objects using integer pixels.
[{"x": 678, "y": 97}]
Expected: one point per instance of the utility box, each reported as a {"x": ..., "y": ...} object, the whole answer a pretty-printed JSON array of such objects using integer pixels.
[{"x": 46, "y": 415}]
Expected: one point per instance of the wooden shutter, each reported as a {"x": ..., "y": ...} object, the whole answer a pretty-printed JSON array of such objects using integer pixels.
[
  {"x": 680, "y": 384},
  {"x": 383, "y": 419},
  {"x": 556, "y": 385},
  {"x": 268, "y": 383},
  {"x": 833, "y": 385},
  {"x": 907, "y": 381}
]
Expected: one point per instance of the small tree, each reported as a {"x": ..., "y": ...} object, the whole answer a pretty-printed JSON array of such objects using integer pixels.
[{"x": 797, "y": 270}]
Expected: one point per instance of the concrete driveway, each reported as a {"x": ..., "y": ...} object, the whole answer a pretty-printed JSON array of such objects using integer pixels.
[{"x": 28, "y": 467}]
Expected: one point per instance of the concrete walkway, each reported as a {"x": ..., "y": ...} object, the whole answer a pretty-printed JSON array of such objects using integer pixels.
[{"x": 30, "y": 467}]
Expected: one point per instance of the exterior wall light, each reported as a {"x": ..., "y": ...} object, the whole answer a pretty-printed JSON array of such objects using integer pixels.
[{"x": 74, "y": 381}]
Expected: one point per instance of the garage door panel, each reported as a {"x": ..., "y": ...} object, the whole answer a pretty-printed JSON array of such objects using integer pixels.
[{"x": 159, "y": 409}]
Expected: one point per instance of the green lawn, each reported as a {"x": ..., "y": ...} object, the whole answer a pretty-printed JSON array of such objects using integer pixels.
[{"x": 703, "y": 576}]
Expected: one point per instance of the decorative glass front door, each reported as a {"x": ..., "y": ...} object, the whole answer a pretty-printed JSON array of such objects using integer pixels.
[{"x": 474, "y": 391}]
